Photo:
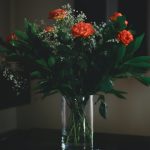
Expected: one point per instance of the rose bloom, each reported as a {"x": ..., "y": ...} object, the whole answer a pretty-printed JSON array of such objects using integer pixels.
[
  {"x": 115, "y": 16},
  {"x": 125, "y": 37},
  {"x": 82, "y": 29},
  {"x": 48, "y": 29},
  {"x": 11, "y": 37},
  {"x": 57, "y": 14}
]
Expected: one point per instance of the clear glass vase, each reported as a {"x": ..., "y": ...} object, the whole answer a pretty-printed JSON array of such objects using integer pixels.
[{"x": 77, "y": 123}]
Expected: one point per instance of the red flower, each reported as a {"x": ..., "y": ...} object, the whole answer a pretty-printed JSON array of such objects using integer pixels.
[
  {"x": 115, "y": 16},
  {"x": 57, "y": 14},
  {"x": 11, "y": 37},
  {"x": 82, "y": 29},
  {"x": 125, "y": 37},
  {"x": 48, "y": 29}
]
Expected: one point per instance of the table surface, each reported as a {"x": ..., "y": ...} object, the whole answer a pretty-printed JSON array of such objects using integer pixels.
[{"x": 47, "y": 139}]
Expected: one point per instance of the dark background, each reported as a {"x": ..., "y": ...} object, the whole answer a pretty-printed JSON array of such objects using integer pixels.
[{"x": 94, "y": 9}]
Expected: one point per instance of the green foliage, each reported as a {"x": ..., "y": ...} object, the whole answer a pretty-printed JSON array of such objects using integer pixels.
[
  {"x": 102, "y": 106},
  {"x": 21, "y": 35},
  {"x": 36, "y": 74},
  {"x": 41, "y": 62},
  {"x": 106, "y": 85},
  {"x": 51, "y": 61},
  {"x": 120, "y": 23},
  {"x": 144, "y": 80},
  {"x": 121, "y": 53},
  {"x": 118, "y": 93},
  {"x": 134, "y": 46},
  {"x": 77, "y": 65}
]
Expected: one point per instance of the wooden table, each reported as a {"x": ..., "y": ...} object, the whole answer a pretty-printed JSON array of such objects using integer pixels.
[{"x": 47, "y": 139}]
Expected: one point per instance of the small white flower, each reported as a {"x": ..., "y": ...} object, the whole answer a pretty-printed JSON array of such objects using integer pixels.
[
  {"x": 11, "y": 77},
  {"x": 112, "y": 41},
  {"x": 105, "y": 53}
]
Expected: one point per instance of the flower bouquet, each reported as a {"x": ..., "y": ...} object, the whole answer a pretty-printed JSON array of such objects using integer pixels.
[{"x": 78, "y": 59}]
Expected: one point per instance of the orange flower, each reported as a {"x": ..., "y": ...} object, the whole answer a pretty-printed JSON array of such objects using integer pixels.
[
  {"x": 125, "y": 37},
  {"x": 82, "y": 29},
  {"x": 57, "y": 14},
  {"x": 48, "y": 29},
  {"x": 11, "y": 37},
  {"x": 115, "y": 16}
]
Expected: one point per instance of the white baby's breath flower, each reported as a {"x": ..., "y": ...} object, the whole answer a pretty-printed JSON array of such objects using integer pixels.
[
  {"x": 112, "y": 41},
  {"x": 18, "y": 83}
]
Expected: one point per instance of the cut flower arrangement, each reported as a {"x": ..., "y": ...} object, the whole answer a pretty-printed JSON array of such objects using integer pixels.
[{"x": 78, "y": 59}]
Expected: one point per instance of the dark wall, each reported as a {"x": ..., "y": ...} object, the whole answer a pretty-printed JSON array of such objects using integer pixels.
[{"x": 94, "y": 9}]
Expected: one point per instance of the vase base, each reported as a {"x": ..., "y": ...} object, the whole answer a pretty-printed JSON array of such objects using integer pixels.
[{"x": 76, "y": 147}]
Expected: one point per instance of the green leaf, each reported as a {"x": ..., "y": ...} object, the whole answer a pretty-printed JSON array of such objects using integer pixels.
[
  {"x": 30, "y": 29},
  {"x": 51, "y": 61},
  {"x": 134, "y": 46},
  {"x": 21, "y": 35},
  {"x": 140, "y": 65},
  {"x": 106, "y": 86},
  {"x": 53, "y": 92},
  {"x": 103, "y": 109},
  {"x": 36, "y": 74},
  {"x": 41, "y": 62},
  {"x": 26, "y": 23},
  {"x": 100, "y": 97},
  {"x": 144, "y": 80},
  {"x": 120, "y": 54},
  {"x": 118, "y": 93},
  {"x": 121, "y": 23},
  {"x": 138, "y": 42},
  {"x": 66, "y": 89},
  {"x": 14, "y": 43},
  {"x": 139, "y": 59},
  {"x": 4, "y": 50}
]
